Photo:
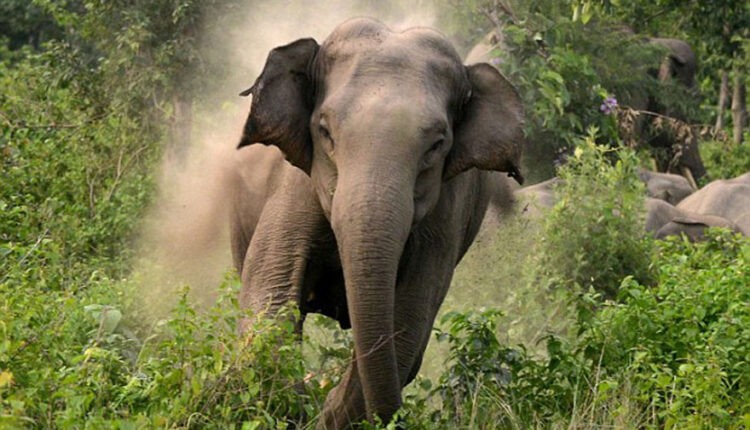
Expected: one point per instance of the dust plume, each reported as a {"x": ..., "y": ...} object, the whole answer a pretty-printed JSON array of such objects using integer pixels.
[{"x": 184, "y": 239}]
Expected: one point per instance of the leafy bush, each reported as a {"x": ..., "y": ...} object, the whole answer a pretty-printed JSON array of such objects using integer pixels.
[
  {"x": 685, "y": 344},
  {"x": 725, "y": 160},
  {"x": 483, "y": 375},
  {"x": 192, "y": 369},
  {"x": 594, "y": 235},
  {"x": 674, "y": 355},
  {"x": 74, "y": 178}
]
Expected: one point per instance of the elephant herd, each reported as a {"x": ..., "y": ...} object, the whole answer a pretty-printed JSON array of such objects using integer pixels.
[{"x": 672, "y": 206}]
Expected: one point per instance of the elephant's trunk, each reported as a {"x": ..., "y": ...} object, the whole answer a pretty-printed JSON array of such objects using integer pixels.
[{"x": 371, "y": 217}]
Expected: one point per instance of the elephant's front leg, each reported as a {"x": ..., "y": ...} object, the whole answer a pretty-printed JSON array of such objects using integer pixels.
[
  {"x": 274, "y": 272},
  {"x": 421, "y": 287}
]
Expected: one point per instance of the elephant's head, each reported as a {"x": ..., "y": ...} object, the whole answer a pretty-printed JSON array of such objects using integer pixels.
[
  {"x": 694, "y": 226},
  {"x": 380, "y": 121},
  {"x": 680, "y": 62}
]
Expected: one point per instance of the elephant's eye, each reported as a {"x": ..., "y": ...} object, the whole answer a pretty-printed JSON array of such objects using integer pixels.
[
  {"x": 324, "y": 132},
  {"x": 436, "y": 146},
  {"x": 433, "y": 154}
]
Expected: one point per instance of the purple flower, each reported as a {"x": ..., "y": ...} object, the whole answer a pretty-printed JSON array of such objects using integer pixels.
[
  {"x": 496, "y": 61},
  {"x": 609, "y": 105}
]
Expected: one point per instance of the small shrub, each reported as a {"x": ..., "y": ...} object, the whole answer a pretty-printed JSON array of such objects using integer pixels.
[
  {"x": 490, "y": 385},
  {"x": 594, "y": 235}
]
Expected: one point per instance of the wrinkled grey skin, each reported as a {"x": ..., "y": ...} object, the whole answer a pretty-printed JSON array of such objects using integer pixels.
[
  {"x": 390, "y": 137},
  {"x": 727, "y": 198},
  {"x": 664, "y": 219},
  {"x": 665, "y": 186}
]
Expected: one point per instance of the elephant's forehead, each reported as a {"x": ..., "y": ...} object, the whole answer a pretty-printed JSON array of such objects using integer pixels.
[
  {"x": 376, "y": 51},
  {"x": 362, "y": 34}
]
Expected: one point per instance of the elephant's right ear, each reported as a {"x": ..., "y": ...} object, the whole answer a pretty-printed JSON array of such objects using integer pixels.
[{"x": 283, "y": 102}]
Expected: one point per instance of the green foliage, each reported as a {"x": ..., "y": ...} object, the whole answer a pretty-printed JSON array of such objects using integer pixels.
[
  {"x": 674, "y": 355},
  {"x": 725, "y": 160},
  {"x": 567, "y": 58},
  {"x": 24, "y": 23},
  {"x": 191, "y": 369},
  {"x": 717, "y": 28},
  {"x": 686, "y": 342},
  {"x": 594, "y": 235},
  {"x": 73, "y": 179},
  {"x": 484, "y": 375}
]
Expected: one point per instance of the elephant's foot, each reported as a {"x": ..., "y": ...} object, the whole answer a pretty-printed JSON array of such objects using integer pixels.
[{"x": 345, "y": 404}]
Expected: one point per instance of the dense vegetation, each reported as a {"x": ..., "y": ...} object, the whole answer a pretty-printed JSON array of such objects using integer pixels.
[{"x": 598, "y": 325}]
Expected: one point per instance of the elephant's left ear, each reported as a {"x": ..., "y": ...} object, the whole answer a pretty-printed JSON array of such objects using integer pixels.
[{"x": 490, "y": 134}]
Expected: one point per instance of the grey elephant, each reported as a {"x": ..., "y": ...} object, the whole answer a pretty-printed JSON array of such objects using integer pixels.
[
  {"x": 727, "y": 198},
  {"x": 533, "y": 199},
  {"x": 674, "y": 153},
  {"x": 679, "y": 67},
  {"x": 387, "y": 140},
  {"x": 664, "y": 220},
  {"x": 665, "y": 186}
]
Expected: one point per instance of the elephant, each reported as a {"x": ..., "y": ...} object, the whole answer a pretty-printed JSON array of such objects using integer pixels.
[
  {"x": 252, "y": 179},
  {"x": 665, "y": 186},
  {"x": 680, "y": 63},
  {"x": 534, "y": 199},
  {"x": 680, "y": 149},
  {"x": 727, "y": 198},
  {"x": 386, "y": 142},
  {"x": 664, "y": 219},
  {"x": 675, "y": 152}
]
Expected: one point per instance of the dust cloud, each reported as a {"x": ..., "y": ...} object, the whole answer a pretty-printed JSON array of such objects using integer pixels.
[{"x": 184, "y": 240}]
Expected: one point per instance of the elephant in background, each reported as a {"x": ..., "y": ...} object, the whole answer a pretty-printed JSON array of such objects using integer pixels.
[
  {"x": 680, "y": 63},
  {"x": 676, "y": 151},
  {"x": 671, "y": 208},
  {"x": 727, "y": 198},
  {"x": 382, "y": 180},
  {"x": 532, "y": 200},
  {"x": 680, "y": 147},
  {"x": 664, "y": 220},
  {"x": 665, "y": 186}
]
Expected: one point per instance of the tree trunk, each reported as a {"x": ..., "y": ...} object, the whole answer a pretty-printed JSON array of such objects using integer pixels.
[
  {"x": 739, "y": 108},
  {"x": 723, "y": 99}
]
